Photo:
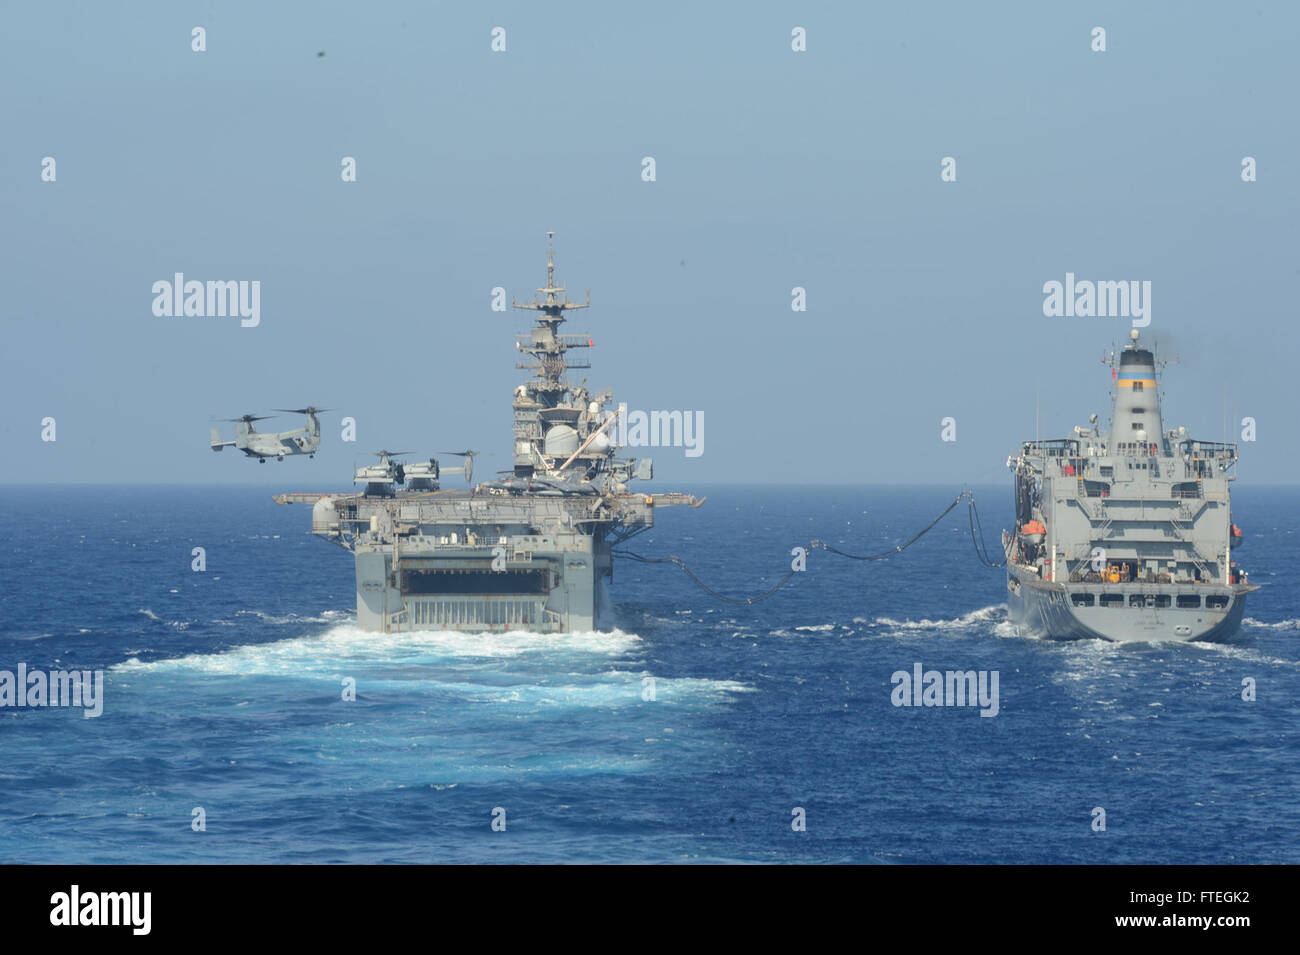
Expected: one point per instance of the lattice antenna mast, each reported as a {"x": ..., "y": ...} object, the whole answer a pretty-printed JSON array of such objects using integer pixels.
[{"x": 545, "y": 344}]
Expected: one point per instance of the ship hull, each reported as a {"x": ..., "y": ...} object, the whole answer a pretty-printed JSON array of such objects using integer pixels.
[
  {"x": 1044, "y": 609},
  {"x": 545, "y": 586}
]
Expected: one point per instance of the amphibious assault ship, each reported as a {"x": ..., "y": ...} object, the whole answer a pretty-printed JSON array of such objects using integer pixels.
[
  {"x": 529, "y": 550},
  {"x": 1125, "y": 534}
]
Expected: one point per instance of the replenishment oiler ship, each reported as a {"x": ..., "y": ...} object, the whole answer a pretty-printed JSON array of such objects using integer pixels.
[
  {"x": 527, "y": 551},
  {"x": 1125, "y": 534}
]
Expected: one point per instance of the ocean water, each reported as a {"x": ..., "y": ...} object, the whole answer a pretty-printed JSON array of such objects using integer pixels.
[{"x": 224, "y": 690}]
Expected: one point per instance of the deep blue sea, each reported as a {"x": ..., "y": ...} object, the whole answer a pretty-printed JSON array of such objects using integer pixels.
[{"x": 224, "y": 690}]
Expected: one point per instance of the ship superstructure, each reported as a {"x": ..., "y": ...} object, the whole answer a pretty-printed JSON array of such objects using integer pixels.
[
  {"x": 529, "y": 550},
  {"x": 1125, "y": 534}
]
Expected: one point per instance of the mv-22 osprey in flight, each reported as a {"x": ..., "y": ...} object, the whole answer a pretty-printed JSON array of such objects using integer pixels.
[{"x": 276, "y": 445}]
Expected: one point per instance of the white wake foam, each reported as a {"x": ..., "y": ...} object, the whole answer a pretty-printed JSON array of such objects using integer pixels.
[
  {"x": 327, "y": 617},
  {"x": 973, "y": 619},
  {"x": 174, "y": 624},
  {"x": 1292, "y": 624},
  {"x": 347, "y": 645},
  {"x": 573, "y": 669}
]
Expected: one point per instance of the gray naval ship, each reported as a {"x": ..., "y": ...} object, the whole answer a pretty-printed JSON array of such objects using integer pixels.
[
  {"x": 1125, "y": 534},
  {"x": 527, "y": 551}
]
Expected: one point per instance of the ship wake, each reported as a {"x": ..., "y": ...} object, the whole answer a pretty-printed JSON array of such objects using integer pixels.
[{"x": 579, "y": 669}]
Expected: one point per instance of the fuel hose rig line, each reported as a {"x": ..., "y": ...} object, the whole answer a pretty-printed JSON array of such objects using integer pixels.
[
  {"x": 981, "y": 549},
  {"x": 976, "y": 532},
  {"x": 674, "y": 559}
]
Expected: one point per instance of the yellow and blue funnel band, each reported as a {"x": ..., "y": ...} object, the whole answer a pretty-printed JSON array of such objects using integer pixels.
[{"x": 1127, "y": 379}]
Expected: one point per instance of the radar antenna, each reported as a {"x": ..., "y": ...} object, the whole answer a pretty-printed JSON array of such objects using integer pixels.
[{"x": 545, "y": 344}]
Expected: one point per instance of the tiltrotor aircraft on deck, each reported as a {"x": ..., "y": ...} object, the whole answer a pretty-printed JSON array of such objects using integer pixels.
[
  {"x": 273, "y": 444},
  {"x": 383, "y": 479}
]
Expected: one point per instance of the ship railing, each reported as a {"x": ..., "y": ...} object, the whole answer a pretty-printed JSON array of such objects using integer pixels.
[
  {"x": 1090, "y": 486},
  {"x": 1139, "y": 449},
  {"x": 552, "y": 363},
  {"x": 1208, "y": 449},
  {"x": 527, "y": 343},
  {"x": 1092, "y": 577},
  {"x": 1089, "y": 576},
  {"x": 1184, "y": 533},
  {"x": 432, "y": 543},
  {"x": 1053, "y": 447},
  {"x": 1101, "y": 514}
]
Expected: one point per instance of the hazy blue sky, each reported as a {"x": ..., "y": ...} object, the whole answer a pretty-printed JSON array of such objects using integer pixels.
[{"x": 775, "y": 169}]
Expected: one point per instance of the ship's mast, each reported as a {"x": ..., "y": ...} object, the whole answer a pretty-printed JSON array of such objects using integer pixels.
[
  {"x": 545, "y": 344},
  {"x": 552, "y": 416}
]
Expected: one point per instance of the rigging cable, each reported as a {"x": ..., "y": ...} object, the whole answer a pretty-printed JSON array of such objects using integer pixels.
[
  {"x": 981, "y": 549},
  {"x": 901, "y": 547},
  {"x": 674, "y": 559},
  {"x": 981, "y": 552}
]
